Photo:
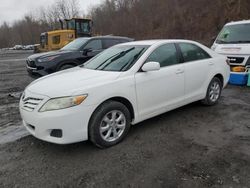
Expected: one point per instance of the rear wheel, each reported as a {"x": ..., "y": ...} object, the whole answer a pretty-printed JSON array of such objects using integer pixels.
[
  {"x": 109, "y": 124},
  {"x": 213, "y": 92}
]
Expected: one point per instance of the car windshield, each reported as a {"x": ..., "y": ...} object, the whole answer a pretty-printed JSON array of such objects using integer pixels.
[
  {"x": 119, "y": 58},
  {"x": 75, "y": 44},
  {"x": 239, "y": 33}
]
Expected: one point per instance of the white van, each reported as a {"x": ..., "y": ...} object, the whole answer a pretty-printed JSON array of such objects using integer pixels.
[{"x": 234, "y": 42}]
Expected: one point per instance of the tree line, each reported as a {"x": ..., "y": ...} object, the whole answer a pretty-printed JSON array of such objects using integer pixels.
[{"x": 198, "y": 20}]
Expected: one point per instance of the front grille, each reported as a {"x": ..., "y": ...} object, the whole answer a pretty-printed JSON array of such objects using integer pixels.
[
  {"x": 237, "y": 60},
  {"x": 31, "y": 103},
  {"x": 31, "y": 63}
]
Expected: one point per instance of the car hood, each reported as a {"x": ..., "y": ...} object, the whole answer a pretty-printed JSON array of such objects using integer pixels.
[
  {"x": 48, "y": 54},
  {"x": 234, "y": 49},
  {"x": 71, "y": 82}
]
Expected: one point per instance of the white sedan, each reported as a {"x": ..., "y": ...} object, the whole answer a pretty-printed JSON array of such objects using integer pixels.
[{"x": 123, "y": 85}]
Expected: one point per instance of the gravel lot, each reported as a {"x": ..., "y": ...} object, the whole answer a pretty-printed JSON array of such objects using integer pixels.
[{"x": 194, "y": 146}]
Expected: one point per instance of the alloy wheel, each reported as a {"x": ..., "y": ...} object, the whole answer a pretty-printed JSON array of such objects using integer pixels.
[
  {"x": 112, "y": 126},
  {"x": 214, "y": 91}
]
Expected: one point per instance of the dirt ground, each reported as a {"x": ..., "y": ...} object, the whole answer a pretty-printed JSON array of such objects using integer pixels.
[{"x": 194, "y": 146}]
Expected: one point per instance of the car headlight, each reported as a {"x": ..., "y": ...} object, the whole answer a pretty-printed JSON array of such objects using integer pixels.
[
  {"x": 40, "y": 60},
  {"x": 63, "y": 102}
]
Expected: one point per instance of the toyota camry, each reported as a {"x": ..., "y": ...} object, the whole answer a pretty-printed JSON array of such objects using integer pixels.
[{"x": 122, "y": 86}]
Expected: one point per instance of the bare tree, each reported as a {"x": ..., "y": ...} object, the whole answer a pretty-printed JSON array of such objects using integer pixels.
[{"x": 140, "y": 19}]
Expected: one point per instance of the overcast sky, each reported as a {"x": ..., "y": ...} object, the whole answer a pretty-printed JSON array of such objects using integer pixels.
[{"x": 11, "y": 10}]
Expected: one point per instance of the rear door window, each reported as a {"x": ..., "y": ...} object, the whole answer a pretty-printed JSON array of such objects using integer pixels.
[{"x": 191, "y": 52}]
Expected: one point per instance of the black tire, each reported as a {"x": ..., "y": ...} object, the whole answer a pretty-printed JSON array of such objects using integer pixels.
[
  {"x": 208, "y": 101},
  {"x": 96, "y": 122},
  {"x": 64, "y": 67}
]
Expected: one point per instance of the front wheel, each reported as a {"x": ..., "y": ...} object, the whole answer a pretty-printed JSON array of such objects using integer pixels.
[
  {"x": 213, "y": 92},
  {"x": 109, "y": 124}
]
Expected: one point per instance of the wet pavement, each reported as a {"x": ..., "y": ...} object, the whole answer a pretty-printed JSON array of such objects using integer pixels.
[{"x": 191, "y": 147}]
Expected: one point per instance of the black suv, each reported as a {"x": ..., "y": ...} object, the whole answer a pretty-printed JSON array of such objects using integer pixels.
[{"x": 73, "y": 54}]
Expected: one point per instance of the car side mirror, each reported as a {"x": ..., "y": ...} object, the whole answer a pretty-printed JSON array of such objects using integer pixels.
[
  {"x": 151, "y": 66},
  {"x": 86, "y": 51}
]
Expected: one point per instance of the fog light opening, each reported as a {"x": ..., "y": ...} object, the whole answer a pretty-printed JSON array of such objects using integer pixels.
[{"x": 56, "y": 133}]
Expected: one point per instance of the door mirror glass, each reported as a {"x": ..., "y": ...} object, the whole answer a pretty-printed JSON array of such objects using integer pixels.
[{"x": 151, "y": 66}]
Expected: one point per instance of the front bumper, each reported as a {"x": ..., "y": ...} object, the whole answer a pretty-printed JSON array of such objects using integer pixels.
[
  {"x": 35, "y": 70},
  {"x": 72, "y": 122}
]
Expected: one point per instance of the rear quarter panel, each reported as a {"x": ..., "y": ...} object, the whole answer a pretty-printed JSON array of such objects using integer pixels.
[{"x": 220, "y": 65}]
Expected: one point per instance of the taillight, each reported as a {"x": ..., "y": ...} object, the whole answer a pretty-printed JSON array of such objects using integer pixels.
[{"x": 228, "y": 61}]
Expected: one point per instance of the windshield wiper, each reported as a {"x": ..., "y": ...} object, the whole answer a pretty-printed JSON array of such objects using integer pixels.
[
  {"x": 83, "y": 65},
  {"x": 126, "y": 66},
  {"x": 107, "y": 60},
  {"x": 240, "y": 41},
  {"x": 115, "y": 57},
  {"x": 232, "y": 42}
]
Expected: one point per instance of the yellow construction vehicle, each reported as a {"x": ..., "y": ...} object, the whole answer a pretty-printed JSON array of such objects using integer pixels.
[{"x": 55, "y": 40}]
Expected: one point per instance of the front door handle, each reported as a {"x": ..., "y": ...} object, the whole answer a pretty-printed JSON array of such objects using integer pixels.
[
  {"x": 211, "y": 63},
  {"x": 179, "y": 71}
]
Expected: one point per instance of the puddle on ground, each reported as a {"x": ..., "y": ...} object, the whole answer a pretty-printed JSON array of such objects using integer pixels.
[
  {"x": 12, "y": 133},
  {"x": 9, "y": 132}
]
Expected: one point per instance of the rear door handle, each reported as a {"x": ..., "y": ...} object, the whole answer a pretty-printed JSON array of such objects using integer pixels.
[
  {"x": 211, "y": 63},
  {"x": 179, "y": 71}
]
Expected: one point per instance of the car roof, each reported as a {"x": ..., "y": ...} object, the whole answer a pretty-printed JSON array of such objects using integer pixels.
[
  {"x": 239, "y": 22},
  {"x": 152, "y": 42},
  {"x": 108, "y": 37}
]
